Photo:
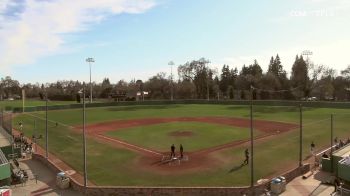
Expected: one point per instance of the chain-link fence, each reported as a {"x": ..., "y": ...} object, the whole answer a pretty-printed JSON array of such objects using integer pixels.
[
  {"x": 276, "y": 146},
  {"x": 6, "y": 121}
]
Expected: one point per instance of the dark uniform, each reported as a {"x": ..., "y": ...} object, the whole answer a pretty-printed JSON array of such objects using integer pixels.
[
  {"x": 172, "y": 148},
  {"x": 181, "y": 151},
  {"x": 246, "y": 161}
]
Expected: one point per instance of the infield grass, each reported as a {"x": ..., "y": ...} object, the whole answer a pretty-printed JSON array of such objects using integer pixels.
[{"x": 161, "y": 136}]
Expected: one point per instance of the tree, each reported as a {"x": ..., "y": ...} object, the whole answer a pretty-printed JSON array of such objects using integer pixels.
[
  {"x": 78, "y": 98},
  {"x": 255, "y": 69},
  {"x": 106, "y": 88},
  {"x": 197, "y": 71},
  {"x": 227, "y": 81},
  {"x": 225, "y": 78},
  {"x": 276, "y": 79},
  {"x": 324, "y": 87},
  {"x": 270, "y": 82},
  {"x": 10, "y": 87},
  {"x": 185, "y": 89},
  {"x": 158, "y": 86},
  {"x": 316, "y": 72},
  {"x": 216, "y": 87},
  {"x": 276, "y": 68},
  {"x": 250, "y": 75},
  {"x": 300, "y": 77},
  {"x": 341, "y": 87}
]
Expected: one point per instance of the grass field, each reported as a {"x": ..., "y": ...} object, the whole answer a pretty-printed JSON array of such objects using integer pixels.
[
  {"x": 109, "y": 165},
  {"x": 18, "y": 103},
  {"x": 159, "y": 136}
]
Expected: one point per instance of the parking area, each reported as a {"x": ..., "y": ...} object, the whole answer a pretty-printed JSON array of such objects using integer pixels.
[{"x": 41, "y": 181}]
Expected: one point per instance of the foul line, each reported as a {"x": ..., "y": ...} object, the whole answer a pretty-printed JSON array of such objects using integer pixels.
[
  {"x": 128, "y": 144},
  {"x": 42, "y": 118},
  {"x": 101, "y": 136}
]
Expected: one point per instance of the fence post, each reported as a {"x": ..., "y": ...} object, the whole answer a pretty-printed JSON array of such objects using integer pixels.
[
  {"x": 46, "y": 131},
  {"x": 2, "y": 117},
  {"x": 10, "y": 114},
  {"x": 331, "y": 154},
  {"x": 251, "y": 143},
  {"x": 301, "y": 136}
]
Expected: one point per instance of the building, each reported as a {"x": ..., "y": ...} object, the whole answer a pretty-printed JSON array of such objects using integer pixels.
[
  {"x": 341, "y": 164},
  {"x": 7, "y": 148}
]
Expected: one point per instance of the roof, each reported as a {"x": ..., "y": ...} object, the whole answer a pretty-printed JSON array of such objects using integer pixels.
[
  {"x": 3, "y": 159},
  {"x": 343, "y": 152},
  {"x": 5, "y": 138}
]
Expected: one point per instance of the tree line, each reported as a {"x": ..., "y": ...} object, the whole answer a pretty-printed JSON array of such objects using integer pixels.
[{"x": 196, "y": 80}]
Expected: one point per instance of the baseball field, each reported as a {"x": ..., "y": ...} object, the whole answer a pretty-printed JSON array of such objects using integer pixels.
[{"x": 129, "y": 145}]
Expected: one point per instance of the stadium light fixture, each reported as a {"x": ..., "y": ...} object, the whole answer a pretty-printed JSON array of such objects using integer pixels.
[
  {"x": 307, "y": 53},
  {"x": 90, "y": 60}
]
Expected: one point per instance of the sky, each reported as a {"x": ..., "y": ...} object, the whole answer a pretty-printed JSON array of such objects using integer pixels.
[{"x": 49, "y": 40}]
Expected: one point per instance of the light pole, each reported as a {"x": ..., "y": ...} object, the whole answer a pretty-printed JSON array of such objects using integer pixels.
[
  {"x": 208, "y": 83},
  {"x": 171, "y": 63},
  {"x": 90, "y": 60},
  {"x": 84, "y": 138}
]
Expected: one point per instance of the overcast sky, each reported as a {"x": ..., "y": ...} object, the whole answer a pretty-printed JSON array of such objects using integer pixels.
[{"x": 49, "y": 40}]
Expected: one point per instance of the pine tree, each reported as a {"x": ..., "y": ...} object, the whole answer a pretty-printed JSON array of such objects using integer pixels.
[
  {"x": 299, "y": 77},
  {"x": 225, "y": 79}
]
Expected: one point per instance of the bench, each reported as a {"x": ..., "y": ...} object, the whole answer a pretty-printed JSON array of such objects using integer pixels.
[{"x": 307, "y": 175}]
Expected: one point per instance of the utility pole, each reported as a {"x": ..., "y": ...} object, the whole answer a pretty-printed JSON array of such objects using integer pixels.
[
  {"x": 35, "y": 137},
  {"x": 331, "y": 154},
  {"x": 301, "y": 136},
  {"x": 171, "y": 63},
  {"x": 251, "y": 142},
  {"x": 23, "y": 99},
  {"x": 90, "y": 60},
  {"x": 208, "y": 83},
  {"x": 46, "y": 129}
]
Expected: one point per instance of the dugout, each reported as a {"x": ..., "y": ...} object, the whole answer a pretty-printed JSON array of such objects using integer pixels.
[
  {"x": 341, "y": 163},
  {"x": 7, "y": 148},
  {"x": 5, "y": 170}
]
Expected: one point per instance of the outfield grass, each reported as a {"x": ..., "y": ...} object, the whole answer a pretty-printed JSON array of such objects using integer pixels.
[
  {"x": 275, "y": 113},
  {"x": 108, "y": 165},
  {"x": 18, "y": 103},
  {"x": 204, "y": 135}
]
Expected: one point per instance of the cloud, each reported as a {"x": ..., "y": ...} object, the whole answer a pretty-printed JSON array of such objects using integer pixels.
[{"x": 30, "y": 29}]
